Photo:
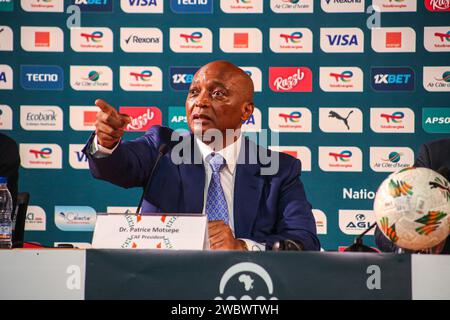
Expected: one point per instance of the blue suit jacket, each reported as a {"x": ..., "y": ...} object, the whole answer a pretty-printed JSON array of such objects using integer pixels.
[
  {"x": 266, "y": 208},
  {"x": 434, "y": 155}
]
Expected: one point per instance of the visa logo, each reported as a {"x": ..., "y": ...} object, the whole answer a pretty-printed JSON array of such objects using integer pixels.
[
  {"x": 3, "y": 77},
  {"x": 249, "y": 121},
  {"x": 143, "y": 3},
  {"x": 343, "y": 40},
  {"x": 80, "y": 156}
]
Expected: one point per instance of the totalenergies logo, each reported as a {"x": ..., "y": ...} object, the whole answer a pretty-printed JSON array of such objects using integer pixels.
[
  {"x": 44, "y": 153},
  {"x": 393, "y": 157},
  {"x": 345, "y": 76},
  {"x": 343, "y": 156},
  {"x": 295, "y": 37},
  {"x": 243, "y": 1},
  {"x": 443, "y": 36},
  {"x": 396, "y": 117},
  {"x": 292, "y": 117},
  {"x": 143, "y": 76},
  {"x": 194, "y": 37},
  {"x": 95, "y": 37},
  {"x": 248, "y": 278}
]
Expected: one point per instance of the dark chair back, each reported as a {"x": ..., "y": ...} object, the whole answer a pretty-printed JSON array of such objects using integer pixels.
[{"x": 23, "y": 199}]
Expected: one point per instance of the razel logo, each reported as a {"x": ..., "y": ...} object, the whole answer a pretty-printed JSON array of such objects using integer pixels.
[
  {"x": 91, "y": 39},
  {"x": 142, "y": 118},
  {"x": 340, "y": 159},
  {"x": 42, "y": 5},
  {"x": 40, "y": 156},
  {"x": 290, "y": 120},
  {"x": 292, "y": 6},
  {"x": 143, "y": 78},
  {"x": 142, "y": 6},
  {"x": 392, "y": 120},
  {"x": 290, "y": 79},
  {"x": 94, "y": 5},
  {"x": 141, "y": 39},
  {"x": 341, "y": 40},
  {"x": 437, "y": 39},
  {"x": 35, "y": 77},
  {"x": 392, "y": 79},
  {"x": 437, "y": 5},
  {"x": 189, "y": 6},
  {"x": 181, "y": 77},
  {"x": 77, "y": 159}
]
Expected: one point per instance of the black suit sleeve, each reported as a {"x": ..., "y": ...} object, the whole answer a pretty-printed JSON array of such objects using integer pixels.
[
  {"x": 423, "y": 158},
  {"x": 9, "y": 164}
]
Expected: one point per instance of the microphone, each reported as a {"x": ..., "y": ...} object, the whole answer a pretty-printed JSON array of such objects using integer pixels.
[
  {"x": 287, "y": 245},
  {"x": 163, "y": 149},
  {"x": 358, "y": 245}
]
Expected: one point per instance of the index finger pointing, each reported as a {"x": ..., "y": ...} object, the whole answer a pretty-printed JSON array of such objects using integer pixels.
[{"x": 105, "y": 107}]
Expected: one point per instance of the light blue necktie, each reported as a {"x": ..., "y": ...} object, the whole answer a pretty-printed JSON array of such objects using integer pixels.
[{"x": 216, "y": 204}]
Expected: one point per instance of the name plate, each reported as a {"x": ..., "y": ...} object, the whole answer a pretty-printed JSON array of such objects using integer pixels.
[{"x": 129, "y": 231}]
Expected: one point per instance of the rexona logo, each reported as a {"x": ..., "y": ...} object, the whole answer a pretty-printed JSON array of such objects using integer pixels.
[
  {"x": 42, "y": 5},
  {"x": 41, "y": 118},
  {"x": 91, "y": 39},
  {"x": 291, "y": 40},
  {"x": 46, "y": 39},
  {"x": 345, "y": 120},
  {"x": 290, "y": 119},
  {"x": 337, "y": 6},
  {"x": 77, "y": 159},
  {"x": 355, "y": 222},
  {"x": 437, "y": 5},
  {"x": 301, "y": 153},
  {"x": 340, "y": 159},
  {"x": 436, "y": 79},
  {"x": 6, "y": 5},
  {"x": 35, "y": 219},
  {"x": 142, "y": 118},
  {"x": 6, "y": 117},
  {"x": 395, "y": 5},
  {"x": 181, "y": 77},
  {"x": 82, "y": 118},
  {"x": 341, "y": 40},
  {"x": 392, "y": 120},
  {"x": 321, "y": 221},
  {"x": 94, "y": 5},
  {"x": 75, "y": 218},
  {"x": 241, "y": 40},
  {"x": 246, "y": 281},
  {"x": 292, "y": 6},
  {"x": 393, "y": 40},
  {"x": 242, "y": 6},
  {"x": 253, "y": 123},
  {"x": 290, "y": 79},
  {"x": 6, "y": 77},
  {"x": 341, "y": 79},
  {"x": 6, "y": 38},
  {"x": 192, "y": 6},
  {"x": 141, "y": 39},
  {"x": 191, "y": 40},
  {"x": 35, "y": 77},
  {"x": 141, "y": 78},
  {"x": 436, "y": 120},
  {"x": 390, "y": 159},
  {"x": 392, "y": 79},
  {"x": 256, "y": 75},
  {"x": 142, "y": 6},
  {"x": 436, "y": 39},
  {"x": 91, "y": 78},
  {"x": 177, "y": 118},
  {"x": 40, "y": 156}
]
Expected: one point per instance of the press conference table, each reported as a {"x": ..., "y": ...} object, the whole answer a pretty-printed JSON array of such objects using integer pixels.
[{"x": 182, "y": 275}]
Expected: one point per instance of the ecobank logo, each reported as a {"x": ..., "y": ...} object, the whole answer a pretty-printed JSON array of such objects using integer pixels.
[
  {"x": 390, "y": 159},
  {"x": 436, "y": 120},
  {"x": 142, "y": 6},
  {"x": 42, "y": 5},
  {"x": 301, "y": 153},
  {"x": 392, "y": 79},
  {"x": 292, "y": 6},
  {"x": 42, "y": 39},
  {"x": 192, "y": 6},
  {"x": 392, "y": 120},
  {"x": 41, "y": 118},
  {"x": 141, "y": 40},
  {"x": 94, "y": 5},
  {"x": 284, "y": 40},
  {"x": 335, "y": 40},
  {"x": 437, "y": 39},
  {"x": 242, "y": 6},
  {"x": 91, "y": 39},
  {"x": 191, "y": 40},
  {"x": 340, "y": 159},
  {"x": 91, "y": 78},
  {"x": 337, "y": 6},
  {"x": 75, "y": 218},
  {"x": 143, "y": 78},
  {"x": 40, "y": 156},
  {"x": 290, "y": 119},
  {"x": 396, "y": 5},
  {"x": 40, "y": 77},
  {"x": 6, "y": 39},
  {"x": 341, "y": 79}
]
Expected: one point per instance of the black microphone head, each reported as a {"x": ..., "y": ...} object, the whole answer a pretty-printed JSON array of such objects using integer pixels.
[{"x": 163, "y": 149}]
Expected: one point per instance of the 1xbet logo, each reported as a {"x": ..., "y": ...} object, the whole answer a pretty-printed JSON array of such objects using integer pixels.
[
  {"x": 94, "y": 5},
  {"x": 392, "y": 79},
  {"x": 181, "y": 77}
]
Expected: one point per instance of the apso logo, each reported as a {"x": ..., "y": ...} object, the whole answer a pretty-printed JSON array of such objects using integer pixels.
[{"x": 246, "y": 281}]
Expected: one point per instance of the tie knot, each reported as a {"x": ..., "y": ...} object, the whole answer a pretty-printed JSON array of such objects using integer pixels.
[{"x": 217, "y": 162}]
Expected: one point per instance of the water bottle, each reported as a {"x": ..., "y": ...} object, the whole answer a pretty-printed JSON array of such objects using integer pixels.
[{"x": 5, "y": 215}]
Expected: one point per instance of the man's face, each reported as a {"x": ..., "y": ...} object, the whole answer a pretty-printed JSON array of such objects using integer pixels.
[{"x": 216, "y": 99}]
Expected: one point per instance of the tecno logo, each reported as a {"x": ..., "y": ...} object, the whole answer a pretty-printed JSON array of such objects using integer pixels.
[
  {"x": 142, "y": 6},
  {"x": 141, "y": 39},
  {"x": 341, "y": 40},
  {"x": 192, "y": 6},
  {"x": 35, "y": 77}
]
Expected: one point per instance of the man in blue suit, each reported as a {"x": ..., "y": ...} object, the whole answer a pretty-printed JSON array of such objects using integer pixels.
[
  {"x": 222, "y": 175},
  {"x": 436, "y": 156}
]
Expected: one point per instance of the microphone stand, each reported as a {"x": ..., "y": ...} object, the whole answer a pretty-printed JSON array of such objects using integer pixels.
[{"x": 358, "y": 245}]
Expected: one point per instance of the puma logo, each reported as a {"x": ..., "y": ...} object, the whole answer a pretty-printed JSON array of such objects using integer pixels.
[{"x": 336, "y": 115}]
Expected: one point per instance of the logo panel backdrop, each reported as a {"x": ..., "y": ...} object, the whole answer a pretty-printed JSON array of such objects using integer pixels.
[{"x": 352, "y": 92}]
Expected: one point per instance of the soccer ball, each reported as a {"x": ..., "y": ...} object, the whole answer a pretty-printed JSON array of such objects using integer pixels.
[{"x": 412, "y": 208}]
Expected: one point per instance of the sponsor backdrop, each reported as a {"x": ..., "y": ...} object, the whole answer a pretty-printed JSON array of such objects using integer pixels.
[{"x": 352, "y": 101}]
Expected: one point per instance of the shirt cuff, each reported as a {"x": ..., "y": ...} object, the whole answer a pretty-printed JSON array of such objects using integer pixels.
[
  {"x": 253, "y": 245},
  {"x": 99, "y": 151}
]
